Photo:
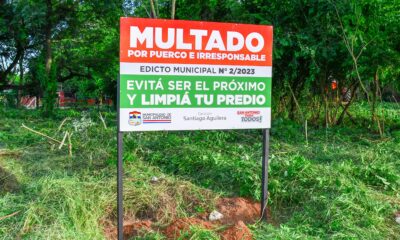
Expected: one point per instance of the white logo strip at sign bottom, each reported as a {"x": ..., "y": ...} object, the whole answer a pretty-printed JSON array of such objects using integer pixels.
[{"x": 184, "y": 118}]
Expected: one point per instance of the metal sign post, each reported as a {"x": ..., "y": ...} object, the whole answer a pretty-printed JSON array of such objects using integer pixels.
[
  {"x": 120, "y": 188},
  {"x": 264, "y": 179},
  {"x": 120, "y": 170}
]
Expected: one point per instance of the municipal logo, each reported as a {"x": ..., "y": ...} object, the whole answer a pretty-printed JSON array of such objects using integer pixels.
[
  {"x": 154, "y": 118},
  {"x": 250, "y": 116},
  {"x": 135, "y": 118}
]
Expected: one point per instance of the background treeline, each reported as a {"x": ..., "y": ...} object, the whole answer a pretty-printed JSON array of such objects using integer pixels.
[
  {"x": 325, "y": 181},
  {"x": 355, "y": 42}
]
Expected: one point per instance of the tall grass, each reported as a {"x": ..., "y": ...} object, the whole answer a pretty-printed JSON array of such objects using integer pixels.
[{"x": 343, "y": 184}]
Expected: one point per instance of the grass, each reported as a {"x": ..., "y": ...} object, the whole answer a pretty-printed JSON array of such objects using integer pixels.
[{"x": 343, "y": 184}]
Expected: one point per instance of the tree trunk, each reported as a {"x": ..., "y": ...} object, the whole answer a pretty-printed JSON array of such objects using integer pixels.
[
  {"x": 153, "y": 9},
  {"x": 49, "y": 86},
  {"x": 353, "y": 93},
  {"x": 4, "y": 74},
  {"x": 373, "y": 105},
  {"x": 21, "y": 79},
  {"x": 173, "y": 9},
  {"x": 374, "y": 117},
  {"x": 48, "y": 37}
]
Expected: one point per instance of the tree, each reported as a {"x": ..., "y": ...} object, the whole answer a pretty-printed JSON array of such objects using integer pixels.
[
  {"x": 367, "y": 30},
  {"x": 13, "y": 41}
]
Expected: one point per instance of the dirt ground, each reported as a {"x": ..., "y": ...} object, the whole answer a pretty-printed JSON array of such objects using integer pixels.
[
  {"x": 8, "y": 182},
  {"x": 236, "y": 232},
  {"x": 237, "y": 213},
  {"x": 183, "y": 224}
]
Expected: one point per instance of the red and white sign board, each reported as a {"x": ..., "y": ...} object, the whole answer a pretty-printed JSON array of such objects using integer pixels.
[{"x": 189, "y": 75}]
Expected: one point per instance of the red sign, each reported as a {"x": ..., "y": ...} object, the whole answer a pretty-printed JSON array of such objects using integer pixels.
[{"x": 192, "y": 42}]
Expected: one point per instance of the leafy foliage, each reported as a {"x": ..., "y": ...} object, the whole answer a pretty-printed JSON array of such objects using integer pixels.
[
  {"x": 343, "y": 182},
  {"x": 315, "y": 41}
]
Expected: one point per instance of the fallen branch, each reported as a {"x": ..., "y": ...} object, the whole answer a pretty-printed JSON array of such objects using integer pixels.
[
  {"x": 41, "y": 134},
  {"x": 62, "y": 124},
  {"x": 70, "y": 144},
  {"x": 9, "y": 215},
  {"x": 102, "y": 119},
  {"x": 9, "y": 153},
  {"x": 63, "y": 141}
]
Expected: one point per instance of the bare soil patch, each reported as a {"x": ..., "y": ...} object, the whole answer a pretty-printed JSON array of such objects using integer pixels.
[
  {"x": 237, "y": 213},
  {"x": 174, "y": 230},
  {"x": 131, "y": 229},
  {"x": 239, "y": 231},
  {"x": 238, "y": 209}
]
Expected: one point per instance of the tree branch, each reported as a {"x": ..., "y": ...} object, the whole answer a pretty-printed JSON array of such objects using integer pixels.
[
  {"x": 173, "y": 9},
  {"x": 153, "y": 10}
]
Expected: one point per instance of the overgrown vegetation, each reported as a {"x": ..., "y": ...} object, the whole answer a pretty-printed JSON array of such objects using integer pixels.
[
  {"x": 75, "y": 43},
  {"x": 344, "y": 183},
  {"x": 341, "y": 180}
]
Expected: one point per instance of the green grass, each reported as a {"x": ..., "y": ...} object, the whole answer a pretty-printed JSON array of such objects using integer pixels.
[{"x": 343, "y": 184}]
